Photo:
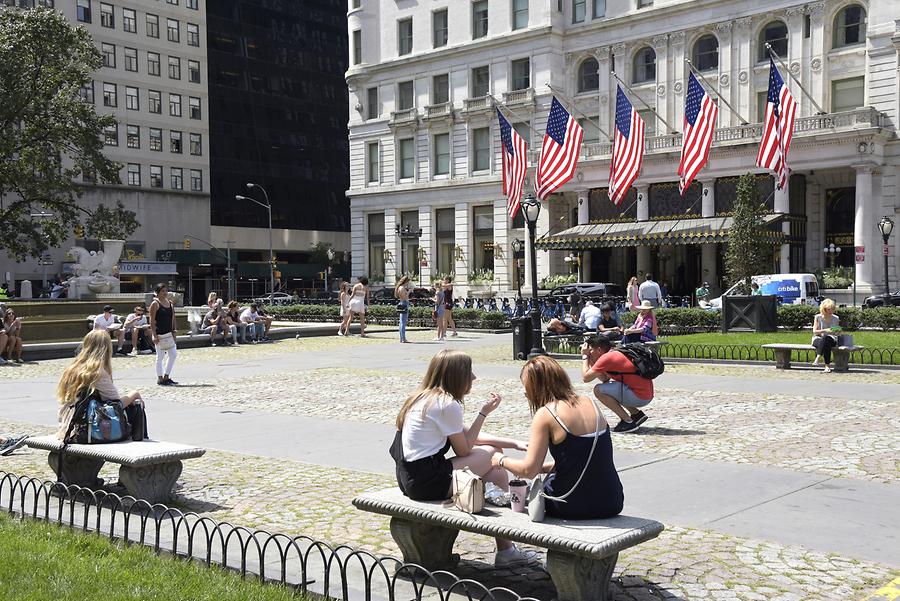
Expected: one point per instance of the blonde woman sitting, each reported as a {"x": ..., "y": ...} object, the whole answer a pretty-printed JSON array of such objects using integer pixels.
[
  {"x": 825, "y": 328},
  {"x": 431, "y": 422},
  {"x": 90, "y": 371}
]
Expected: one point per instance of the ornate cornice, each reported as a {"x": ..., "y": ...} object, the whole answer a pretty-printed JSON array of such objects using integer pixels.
[
  {"x": 659, "y": 41},
  {"x": 743, "y": 23},
  {"x": 676, "y": 38},
  {"x": 816, "y": 11},
  {"x": 602, "y": 53}
]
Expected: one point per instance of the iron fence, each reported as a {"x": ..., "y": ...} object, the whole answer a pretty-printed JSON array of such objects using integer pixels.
[{"x": 303, "y": 563}]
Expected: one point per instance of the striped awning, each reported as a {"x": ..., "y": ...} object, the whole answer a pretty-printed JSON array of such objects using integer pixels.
[{"x": 702, "y": 230}]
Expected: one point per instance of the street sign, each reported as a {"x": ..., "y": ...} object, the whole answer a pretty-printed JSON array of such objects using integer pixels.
[
  {"x": 860, "y": 254},
  {"x": 884, "y": 249},
  {"x": 860, "y": 258}
]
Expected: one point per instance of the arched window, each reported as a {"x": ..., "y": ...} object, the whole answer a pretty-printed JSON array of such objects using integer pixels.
[
  {"x": 776, "y": 35},
  {"x": 588, "y": 76},
  {"x": 644, "y": 66},
  {"x": 706, "y": 53},
  {"x": 850, "y": 26}
]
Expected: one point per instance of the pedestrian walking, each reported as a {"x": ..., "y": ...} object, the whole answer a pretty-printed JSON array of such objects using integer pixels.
[
  {"x": 344, "y": 299},
  {"x": 163, "y": 333},
  {"x": 359, "y": 300},
  {"x": 650, "y": 291},
  {"x": 439, "y": 307},
  {"x": 448, "y": 306},
  {"x": 631, "y": 294},
  {"x": 401, "y": 291}
]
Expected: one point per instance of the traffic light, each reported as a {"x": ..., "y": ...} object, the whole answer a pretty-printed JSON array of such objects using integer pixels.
[{"x": 186, "y": 244}]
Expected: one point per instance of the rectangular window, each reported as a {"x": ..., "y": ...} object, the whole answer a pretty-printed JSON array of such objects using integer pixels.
[
  {"x": 134, "y": 174},
  {"x": 174, "y": 67},
  {"x": 83, "y": 11},
  {"x": 405, "y": 95},
  {"x": 196, "y": 141},
  {"x": 173, "y": 30},
  {"x": 441, "y": 159},
  {"x": 156, "y": 139},
  {"x": 194, "y": 71},
  {"x": 111, "y": 135},
  {"x": 174, "y": 105},
  {"x": 649, "y": 122},
  {"x": 407, "y": 158},
  {"x": 156, "y": 176},
  {"x": 154, "y": 101},
  {"x": 521, "y": 74},
  {"x": 131, "y": 59},
  {"x": 355, "y": 4},
  {"x": 372, "y": 106},
  {"x": 373, "y": 163},
  {"x": 578, "y": 11},
  {"x": 196, "y": 180},
  {"x": 176, "y": 178},
  {"x": 847, "y": 94},
  {"x": 175, "y": 142},
  {"x": 479, "y": 19},
  {"x": 109, "y": 55},
  {"x": 193, "y": 34},
  {"x": 439, "y": 28},
  {"x": 440, "y": 89},
  {"x": 153, "y": 63},
  {"x": 445, "y": 220},
  {"x": 152, "y": 26},
  {"x": 133, "y": 136},
  {"x": 481, "y": 149},
  {"x": 591, "y": 131},
  {"x": 194, "y": 108},
  {"x": 404, "y": 36},
  {"x": 129, "y": 20},
  {"x": 520, "y": 14},
  {"x": 192, "y": 4},
  {"x": 107, "y": 15},
  {"x": 481, "y": 81},
  {"x": 87, "y": 92},
  {"x": 644, "y": 3},
  {"x": 761, "y": 106},
  {"x": 174, "y": 2},
  {"x": 375, "y": 233},
  {"x": 357, "y": 46},
  {"x": 132, "y": 100},
  {"x": 599, "y": 8},
  {"x": 483, "y": 237},
  {"x": 110, "y": 98}
]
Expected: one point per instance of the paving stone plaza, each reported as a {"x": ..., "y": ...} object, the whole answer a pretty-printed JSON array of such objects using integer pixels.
[{"x": 770, "y": 485}]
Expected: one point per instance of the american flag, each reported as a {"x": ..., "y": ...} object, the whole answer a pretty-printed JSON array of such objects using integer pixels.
[
  {"x": 778, "y": 127},
  {"x": 628, "y": 148},
  {"x": 515, "y": 163},
  {"x": 559, "y": 152},
  {"x": 699, "y": 123}
]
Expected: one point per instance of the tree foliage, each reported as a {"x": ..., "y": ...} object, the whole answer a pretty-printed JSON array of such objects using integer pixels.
[
  {"x": 748, "y": 252},
  {"x": 49, "y": 137}
]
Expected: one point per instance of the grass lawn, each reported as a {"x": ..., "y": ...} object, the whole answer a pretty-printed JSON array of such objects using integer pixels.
[
  {"x": 867, "y": 338},
  {"x": 40, "y": 561}
]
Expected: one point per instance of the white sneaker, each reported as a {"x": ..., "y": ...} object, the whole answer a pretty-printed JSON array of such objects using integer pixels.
[
  {"x": 817, "y": 360},
  {"x": 340, "y": 333},
  {"x": 827, "y": 370},
  {"x": 514, "y": 556}
]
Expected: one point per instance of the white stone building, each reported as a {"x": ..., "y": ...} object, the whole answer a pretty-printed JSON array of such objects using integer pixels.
[
  {"x": 424, "y": 139},
  {"x": 154, "y": 81}
]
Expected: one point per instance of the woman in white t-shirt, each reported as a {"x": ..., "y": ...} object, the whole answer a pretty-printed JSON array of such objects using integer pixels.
[{"x": 430, "y": 423}]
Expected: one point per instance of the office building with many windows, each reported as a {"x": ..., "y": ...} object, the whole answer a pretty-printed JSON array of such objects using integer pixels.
[{"x": 425, "y": 162}]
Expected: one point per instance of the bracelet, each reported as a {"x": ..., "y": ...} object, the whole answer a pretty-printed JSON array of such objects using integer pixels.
[
  {"x": 482, "y": 415},
  {"x": 500, "y": 463}
]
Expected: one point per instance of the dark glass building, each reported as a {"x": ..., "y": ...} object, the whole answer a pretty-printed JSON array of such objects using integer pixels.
[{"x": 278, "y": 112}]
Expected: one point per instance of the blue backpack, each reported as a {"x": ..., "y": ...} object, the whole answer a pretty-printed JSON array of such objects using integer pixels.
[{"x": 96, "y": 421}]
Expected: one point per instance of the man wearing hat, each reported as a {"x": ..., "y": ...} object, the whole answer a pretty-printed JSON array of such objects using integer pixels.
[
  {"x": 107, "y": 321},
  {"x": 702, "y": 293}
]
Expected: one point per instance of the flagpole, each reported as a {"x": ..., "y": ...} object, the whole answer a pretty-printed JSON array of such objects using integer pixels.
[
  {"x": 653, "y": 110},
  {"x": 525, "y": 120},
  {"x": 576, "y": 110},
  {"x": 715, "y": 91},
  {"x": 787, "y": 70}
]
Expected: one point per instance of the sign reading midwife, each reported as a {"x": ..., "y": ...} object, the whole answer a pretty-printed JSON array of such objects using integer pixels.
[{"x": 147, "y": 268}]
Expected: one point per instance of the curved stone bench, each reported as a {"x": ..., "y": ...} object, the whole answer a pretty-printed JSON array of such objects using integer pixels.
[
  {"x": 148, "y": 469},
  {"x": 581, "y": 555},
  {"x": 783, "y": 354}
]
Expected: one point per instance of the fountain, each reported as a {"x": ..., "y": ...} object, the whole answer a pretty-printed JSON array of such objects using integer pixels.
[{"x": 96, "y": 272}]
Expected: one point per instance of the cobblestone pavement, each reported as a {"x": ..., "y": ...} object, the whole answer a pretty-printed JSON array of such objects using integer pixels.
[{"x": 683, "y": 563}]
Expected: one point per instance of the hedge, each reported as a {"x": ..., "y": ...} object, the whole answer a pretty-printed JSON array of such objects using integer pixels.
[{"x": 419, "y": 316}]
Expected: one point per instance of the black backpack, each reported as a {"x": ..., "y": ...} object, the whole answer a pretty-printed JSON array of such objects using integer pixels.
[{"x": 647, "y": 364}]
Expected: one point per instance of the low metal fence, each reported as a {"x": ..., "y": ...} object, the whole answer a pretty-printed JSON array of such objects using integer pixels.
[{"x": 303, "y": 563}]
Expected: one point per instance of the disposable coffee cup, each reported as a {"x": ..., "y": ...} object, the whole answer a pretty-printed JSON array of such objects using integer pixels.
[{"x": 518, "y": 489}]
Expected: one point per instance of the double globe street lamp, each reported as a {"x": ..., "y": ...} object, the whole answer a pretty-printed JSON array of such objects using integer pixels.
[{"x": 531, "y": 207}]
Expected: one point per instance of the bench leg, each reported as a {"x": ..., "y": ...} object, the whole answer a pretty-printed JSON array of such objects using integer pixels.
[
  {"x": 80, "y": 471},
  {"x": 423, "y": 544},
  {"x": 841, "y": 361},
  {"x": 579, "y": 578},
  {"x": 782, "y": 359},
  {"x": 152, "y": 483}
]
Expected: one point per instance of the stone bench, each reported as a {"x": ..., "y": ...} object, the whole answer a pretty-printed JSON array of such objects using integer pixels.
[
  {"x": 581, "y": 555},
  {"x": 148, "y": 469},
  {"x": 783, "y": 354}
]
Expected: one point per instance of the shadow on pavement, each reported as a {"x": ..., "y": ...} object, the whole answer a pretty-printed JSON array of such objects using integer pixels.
[{"x": 660, "y": 431}]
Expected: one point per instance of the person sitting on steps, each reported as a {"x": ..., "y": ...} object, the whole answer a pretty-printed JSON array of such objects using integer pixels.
[
  {"x": 620, "y": 389},
  {"x": 106, "y": 321}
]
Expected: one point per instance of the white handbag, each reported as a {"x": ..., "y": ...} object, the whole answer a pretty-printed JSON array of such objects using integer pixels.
[
  {"x": 166, "y": 341},
  {"x": 468, "y": 491}
]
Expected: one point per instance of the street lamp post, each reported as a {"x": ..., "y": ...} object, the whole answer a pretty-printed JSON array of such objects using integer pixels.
[
  {"x": 886, "y": 226},
  {"x": 330, "y": 255},
  {"x": 43, "y": 261},
  {"x": 532, "y": 209},
  {"x": 517, "y": 246},
  {"x": 831, "y": 251},
  {"x": 232, "y": 292},
  {"x": 573, "y": 260},
  {"x": 268, "y": 207}
]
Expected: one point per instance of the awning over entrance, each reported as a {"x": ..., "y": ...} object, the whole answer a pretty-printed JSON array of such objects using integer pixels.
[{"x": 701, "y": 230}]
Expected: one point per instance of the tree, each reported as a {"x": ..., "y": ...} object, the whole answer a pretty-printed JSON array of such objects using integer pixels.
[
  {"x": 49, "y": 137},
  {"x": 749, "y": 253}
]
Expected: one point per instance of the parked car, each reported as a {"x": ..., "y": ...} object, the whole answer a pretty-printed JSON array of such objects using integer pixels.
[
  {"x": 596, "y": 291},
  {"x": 878, "y": 300},
  {"x": 275, "y": 298}
]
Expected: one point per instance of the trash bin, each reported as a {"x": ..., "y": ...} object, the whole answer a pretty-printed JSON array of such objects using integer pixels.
[{"x": 521, "y": 337}]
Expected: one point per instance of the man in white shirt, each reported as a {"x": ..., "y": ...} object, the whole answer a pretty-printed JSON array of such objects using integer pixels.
[
  {"x": 136, "y": 327},
  {"x": 590, "y": 316},
  {"x": 107, "y": 321},
  {"x": 250, "y": 316},
  {"x": 650, "y": 291}
]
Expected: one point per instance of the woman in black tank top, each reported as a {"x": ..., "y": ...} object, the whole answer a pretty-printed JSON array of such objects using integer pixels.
[
  {"x": 162, "y": 328},
  {"x": 448, "y": 306}
]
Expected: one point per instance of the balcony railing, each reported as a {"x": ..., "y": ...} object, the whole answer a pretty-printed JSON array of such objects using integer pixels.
[
  {"x": 743, "y": 134},
  {"x": 478, "y": 104},
  {"x": 525, "y": 96},
  {"x": 404, "y": 117},
  {"x": 438, "y": 111}
]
